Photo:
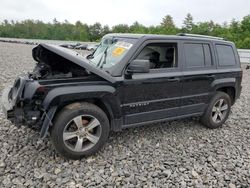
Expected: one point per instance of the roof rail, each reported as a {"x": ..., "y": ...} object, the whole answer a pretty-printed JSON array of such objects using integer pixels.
[{"x": 200, "y": 36}]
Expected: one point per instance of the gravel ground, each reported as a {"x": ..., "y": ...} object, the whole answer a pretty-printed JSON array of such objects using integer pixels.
[{"x": 172, "y": 154}]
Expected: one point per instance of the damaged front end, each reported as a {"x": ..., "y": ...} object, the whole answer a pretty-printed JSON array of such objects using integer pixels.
[
  {"x": 55, "y": 62},
  {"x": 23, "y": 103},
  {"x": 13, "y": 104},
  {"x": 53, "y": 66}
]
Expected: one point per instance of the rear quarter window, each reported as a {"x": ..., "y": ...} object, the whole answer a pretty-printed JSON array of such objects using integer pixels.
[{"x": 226, "y": 55}]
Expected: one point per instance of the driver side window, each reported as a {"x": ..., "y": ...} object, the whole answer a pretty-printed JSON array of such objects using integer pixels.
[{"x": 160, "y": 55}]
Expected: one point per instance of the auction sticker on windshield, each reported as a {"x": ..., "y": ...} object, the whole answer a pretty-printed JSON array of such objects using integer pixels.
[
  {"x": 124, "y": 44},
  {"x": 118, "y": 51}
]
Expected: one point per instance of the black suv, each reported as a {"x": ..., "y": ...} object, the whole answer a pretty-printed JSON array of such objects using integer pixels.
[{"x": 129, "y": 80}]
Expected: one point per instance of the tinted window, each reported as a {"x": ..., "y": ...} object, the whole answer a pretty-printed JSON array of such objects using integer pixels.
[
  {"x": 194, "y": 55},
  {"x": 225, "y": 55}
]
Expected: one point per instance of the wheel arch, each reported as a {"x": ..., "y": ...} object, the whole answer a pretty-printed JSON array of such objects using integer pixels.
[
  {"x": 101, "y": 96},
  {"x": 226, "y": 85},
  {"x": 230, "y": 90}
]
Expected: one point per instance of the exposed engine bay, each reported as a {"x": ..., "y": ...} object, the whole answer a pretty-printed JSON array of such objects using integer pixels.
[{"x": 53, "y": 66}]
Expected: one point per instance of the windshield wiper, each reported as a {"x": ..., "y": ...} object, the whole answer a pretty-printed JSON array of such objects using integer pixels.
[
  {"x": 91, "y": 56},
  {"x": 101, "y": 63}
]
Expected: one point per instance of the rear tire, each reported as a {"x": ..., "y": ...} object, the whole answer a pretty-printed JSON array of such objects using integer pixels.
[
  {"x": 79, "y": 130},
  {"x": 217, "y": 111}
]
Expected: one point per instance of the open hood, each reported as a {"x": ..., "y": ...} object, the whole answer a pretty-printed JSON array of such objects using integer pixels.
[{"x": 59, "y": 58}]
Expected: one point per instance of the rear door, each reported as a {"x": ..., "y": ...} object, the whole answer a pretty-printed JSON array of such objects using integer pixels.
[{"x": 199, "y": 72}]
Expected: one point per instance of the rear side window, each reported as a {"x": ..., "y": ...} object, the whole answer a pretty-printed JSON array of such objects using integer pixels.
[
  {"x": 197, "y": 55},
  {"x": 225, "y": 55}
]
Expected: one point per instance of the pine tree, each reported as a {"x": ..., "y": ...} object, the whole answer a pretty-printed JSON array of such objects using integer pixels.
[
  {"x": 168, "y": 22},
  {"x": 188, "y": 23}
]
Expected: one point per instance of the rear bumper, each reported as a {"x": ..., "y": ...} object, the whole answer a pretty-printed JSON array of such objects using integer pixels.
[{"x": 240, "y": 90}]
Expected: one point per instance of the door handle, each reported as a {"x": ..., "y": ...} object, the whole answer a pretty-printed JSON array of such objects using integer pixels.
[
  {"x": 173, "y": 79},
  {"x": 210, "y": 76}
]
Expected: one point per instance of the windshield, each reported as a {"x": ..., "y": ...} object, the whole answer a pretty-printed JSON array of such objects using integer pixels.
[{"x": 111, "y": 51}]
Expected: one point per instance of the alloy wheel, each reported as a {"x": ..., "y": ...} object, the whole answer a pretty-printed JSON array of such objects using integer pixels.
[
  {"x": 219, "y": 110},
  {"x": 82, "y": 133}
]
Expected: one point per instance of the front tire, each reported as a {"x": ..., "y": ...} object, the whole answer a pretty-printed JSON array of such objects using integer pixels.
[
  {"x": 217, "y": 111},
  {"x": 79, "y": 130}
]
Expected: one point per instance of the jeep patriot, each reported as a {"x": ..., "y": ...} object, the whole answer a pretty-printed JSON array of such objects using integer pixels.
[{"x": 129, "y": 80}]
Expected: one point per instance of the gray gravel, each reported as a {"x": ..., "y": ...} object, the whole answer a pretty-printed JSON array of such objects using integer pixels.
[{"x": 178, "y": 153}]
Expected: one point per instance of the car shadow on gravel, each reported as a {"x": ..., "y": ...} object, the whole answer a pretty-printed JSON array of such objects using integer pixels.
[{"x": 155, "y": 132}]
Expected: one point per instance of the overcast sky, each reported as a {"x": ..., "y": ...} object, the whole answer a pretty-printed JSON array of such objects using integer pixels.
[{"x": 111, "y": 12}]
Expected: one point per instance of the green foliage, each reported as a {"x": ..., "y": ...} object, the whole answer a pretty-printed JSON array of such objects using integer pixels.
[
  {"x": 188, "y": 23},
  {"x": 95, "y": 31},
  {"x": 136, "y": 27},
  {"x": 168, "y": 22},
  {"x": 236, "y": 31},
  {"x": 121, "y": 28}
]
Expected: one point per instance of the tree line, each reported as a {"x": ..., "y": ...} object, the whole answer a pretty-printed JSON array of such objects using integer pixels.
[{"x": 236, "y": 31}]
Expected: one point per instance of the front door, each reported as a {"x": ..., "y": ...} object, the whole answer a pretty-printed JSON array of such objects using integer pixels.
[{"x": 154, "y": 95}]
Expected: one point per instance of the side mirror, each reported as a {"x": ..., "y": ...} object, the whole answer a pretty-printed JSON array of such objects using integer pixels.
[{"x": 138, "y": 66}]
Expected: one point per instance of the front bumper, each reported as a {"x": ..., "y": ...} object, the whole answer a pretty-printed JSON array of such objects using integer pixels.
[
  {"x": 11, "y": 97},
  {"x": 16, "y": 105},
  {"x": 7, "y": 106}
]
